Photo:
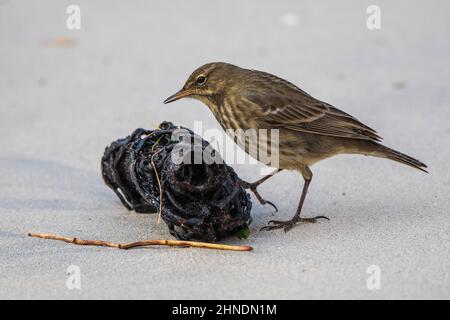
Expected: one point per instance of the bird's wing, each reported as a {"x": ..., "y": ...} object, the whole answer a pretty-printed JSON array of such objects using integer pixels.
[{"x": 283, "y": 105}]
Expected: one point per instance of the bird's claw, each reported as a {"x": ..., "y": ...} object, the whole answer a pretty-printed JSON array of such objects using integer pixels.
[
  {"x": 288, "y": 225},
  {"x": 264, "y": 202},
  {"x": 253, "y": 188}
]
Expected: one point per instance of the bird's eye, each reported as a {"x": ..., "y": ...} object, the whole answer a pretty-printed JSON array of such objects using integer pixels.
[{"x": 201, "y": 80}]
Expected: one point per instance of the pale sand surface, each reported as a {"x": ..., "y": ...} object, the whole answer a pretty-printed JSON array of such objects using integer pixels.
[{"x": 60, "y": 106}]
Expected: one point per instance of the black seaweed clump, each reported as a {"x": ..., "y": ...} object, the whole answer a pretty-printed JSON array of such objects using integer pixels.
[{"x": 200, "y": 201}]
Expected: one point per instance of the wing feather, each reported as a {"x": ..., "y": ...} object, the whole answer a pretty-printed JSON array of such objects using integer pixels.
[{"x": 283, "y": 105}]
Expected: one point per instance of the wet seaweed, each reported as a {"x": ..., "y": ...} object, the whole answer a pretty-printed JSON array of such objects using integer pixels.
[{"x": 200, "y": 200}]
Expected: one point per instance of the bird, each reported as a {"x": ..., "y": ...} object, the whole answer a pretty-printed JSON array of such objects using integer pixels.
[{"x": 309, "y": 130}]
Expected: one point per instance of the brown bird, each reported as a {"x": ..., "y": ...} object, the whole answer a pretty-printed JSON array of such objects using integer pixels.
[{"x": 309, "y": 130}]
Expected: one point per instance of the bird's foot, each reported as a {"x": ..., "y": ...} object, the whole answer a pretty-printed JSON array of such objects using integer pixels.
[
  {"x": 253, "y": 188},
  {"x": 288, "y": 225}
]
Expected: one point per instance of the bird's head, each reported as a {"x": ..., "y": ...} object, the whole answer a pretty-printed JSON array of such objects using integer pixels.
[{"x": 207, "y": 83}]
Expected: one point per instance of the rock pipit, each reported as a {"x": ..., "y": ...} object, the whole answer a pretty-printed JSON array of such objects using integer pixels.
[{"x": 309, "y": 130}]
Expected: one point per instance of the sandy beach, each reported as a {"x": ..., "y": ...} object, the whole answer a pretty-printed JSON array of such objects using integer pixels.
[{"x": 66, "y": 94}]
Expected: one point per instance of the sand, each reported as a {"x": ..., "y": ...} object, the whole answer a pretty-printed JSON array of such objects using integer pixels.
[{"x": 66, "y": 94}]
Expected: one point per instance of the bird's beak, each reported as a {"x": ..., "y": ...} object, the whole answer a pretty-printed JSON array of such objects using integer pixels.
[{"x": 180, "y": 94}]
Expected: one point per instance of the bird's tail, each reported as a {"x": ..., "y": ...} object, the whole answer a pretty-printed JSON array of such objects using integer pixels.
[{"x": 378, "y": 150}]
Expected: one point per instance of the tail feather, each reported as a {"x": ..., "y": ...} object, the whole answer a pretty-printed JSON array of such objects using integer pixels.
[{"x": 385, "y": 152}]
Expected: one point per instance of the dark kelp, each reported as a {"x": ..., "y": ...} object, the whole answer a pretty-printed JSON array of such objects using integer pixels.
[{"x": 201, "y": 201}]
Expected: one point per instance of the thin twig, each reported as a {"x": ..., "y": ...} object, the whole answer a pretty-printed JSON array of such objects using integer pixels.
[
  {"x": 125, "y": 246},
  {"x": 159, "y": 184}
]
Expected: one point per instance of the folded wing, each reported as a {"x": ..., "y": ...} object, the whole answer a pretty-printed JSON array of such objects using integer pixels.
[{"x": 283, "y": 105}]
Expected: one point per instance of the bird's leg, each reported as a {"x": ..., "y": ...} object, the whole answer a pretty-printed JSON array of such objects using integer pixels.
[
  {"x": 288, "y": 225},
  {"x": 254, "y": 185}
]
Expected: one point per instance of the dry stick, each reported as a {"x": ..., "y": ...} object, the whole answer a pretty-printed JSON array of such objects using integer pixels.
[
  {"x": 159, "y": 184},
  {"x": 125, "y": 246}
]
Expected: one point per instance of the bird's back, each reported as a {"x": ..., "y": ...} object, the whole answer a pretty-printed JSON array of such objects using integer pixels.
[{"x": 277, "y": 103}]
